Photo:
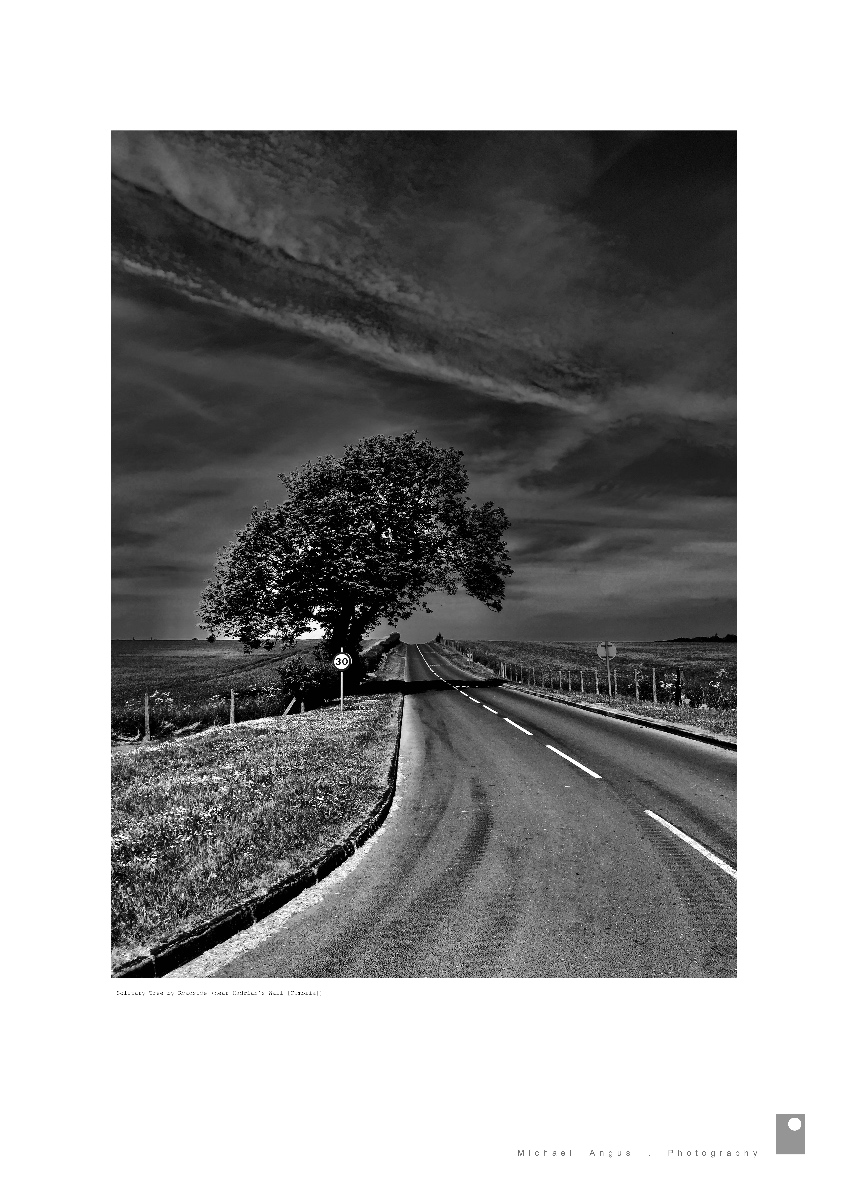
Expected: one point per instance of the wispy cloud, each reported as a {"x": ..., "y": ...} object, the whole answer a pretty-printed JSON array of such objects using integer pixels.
[{"x": 458, "y": 270}]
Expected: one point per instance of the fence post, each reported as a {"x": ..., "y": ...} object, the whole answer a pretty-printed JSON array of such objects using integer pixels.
[
  {"x": 232, "y": 706},
  {"x": 597, "y": 686},
  {"x": 569, "y": 677},
  {"x": 636, "y": 684},
  {"x": 146, "y": 717},
  {"x": 615, "y": 682},
  {"x": 654, "y": 670},
  {"x": 581, "y": 679},
  {"x": 560, "y": 681},
  {"x": 677, "y": 689}
]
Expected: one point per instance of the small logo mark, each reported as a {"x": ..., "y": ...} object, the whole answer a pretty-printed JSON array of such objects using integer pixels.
[{"x": 789, "y": 1133}]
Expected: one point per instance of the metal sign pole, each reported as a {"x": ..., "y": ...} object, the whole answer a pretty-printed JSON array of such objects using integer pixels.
[
  {"x": 341, "y": 684},
  {"x": 609, "y": 681}
]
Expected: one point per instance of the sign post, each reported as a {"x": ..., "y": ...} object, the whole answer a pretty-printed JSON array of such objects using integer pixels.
[
  {"x": 341, "y": 662},
  {"x": 607, "y": 650}
]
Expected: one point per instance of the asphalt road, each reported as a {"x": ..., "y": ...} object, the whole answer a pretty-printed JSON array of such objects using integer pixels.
[{"x": 503, "y": 857}]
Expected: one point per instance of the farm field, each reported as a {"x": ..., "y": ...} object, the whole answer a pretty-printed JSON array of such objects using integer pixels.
[
  {"x": 202, "y": 824},
  {"x": 192, "y": 670},
  {"x": 190, "y": 682}
]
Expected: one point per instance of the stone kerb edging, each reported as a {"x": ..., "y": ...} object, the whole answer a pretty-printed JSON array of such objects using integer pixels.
[
  {"x": 687, "y": 731},
  {"x": 174, "y": 952}
]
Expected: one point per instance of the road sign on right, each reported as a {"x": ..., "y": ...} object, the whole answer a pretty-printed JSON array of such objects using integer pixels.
[{"x": 607, "y": 650}]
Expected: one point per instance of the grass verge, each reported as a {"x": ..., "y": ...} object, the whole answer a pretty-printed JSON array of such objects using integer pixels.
[
  {"x": 477, "y": 669},
  {"x": 201, "y": 825},
  {"x": 720, "y": 721},
  {"x": 392, "y": 665}
]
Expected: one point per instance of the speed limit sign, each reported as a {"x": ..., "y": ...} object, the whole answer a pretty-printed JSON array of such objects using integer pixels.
[{"x": 341, "y": 662}]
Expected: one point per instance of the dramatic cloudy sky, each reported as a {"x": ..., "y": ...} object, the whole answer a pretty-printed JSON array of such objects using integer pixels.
[{"x": 559, "y": 306}]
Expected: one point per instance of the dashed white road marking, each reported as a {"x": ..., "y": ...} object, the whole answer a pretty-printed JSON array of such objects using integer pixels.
[
  {"x": 494, "y": 710},
  {"x": 714, "y": 858},
  {"x": 588, "y": 770},
  {"x": 517, "y": 726}
]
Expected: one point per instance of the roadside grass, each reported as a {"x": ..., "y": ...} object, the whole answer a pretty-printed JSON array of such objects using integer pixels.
[
  {"x": 200, "y": 825},
  {"x": 721, "y": 721},
  {"x": 392, "y": 665},
  {"x": 479, "y": 670},
  {"x": 708, "y": 670}
]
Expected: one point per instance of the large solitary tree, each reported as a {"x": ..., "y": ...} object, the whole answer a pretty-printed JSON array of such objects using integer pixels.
[{"x": 361, "y": 539}]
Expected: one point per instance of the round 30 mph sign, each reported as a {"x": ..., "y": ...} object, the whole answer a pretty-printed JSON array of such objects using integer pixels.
[{"x": 342, "y": 661}]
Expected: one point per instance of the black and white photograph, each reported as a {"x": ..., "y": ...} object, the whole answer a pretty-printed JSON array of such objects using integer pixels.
[
  {"x": 424, "y": 628},
  {"x": 409, "y": 428}
]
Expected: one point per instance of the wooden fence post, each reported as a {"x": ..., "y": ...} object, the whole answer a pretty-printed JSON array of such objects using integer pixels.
[
  {"x": 232, "y": 706},
  {"x": 636, "y": 683},
  {"x": 615, "y": 682},
  {"x": 678, "y": 698},
  {"x": 654, "y": 670},
  {"x": 146, "y": 717},
  {"x": 581, "y": 679},
  {"x": 569, "y": 677},
  {"x": 597, "y": 685},
  {"x": 560, "y": 681}
]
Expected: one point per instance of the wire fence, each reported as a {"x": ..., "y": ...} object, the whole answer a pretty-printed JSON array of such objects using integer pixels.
[
  {"x": 709, "y": 687},
  {"x": 161, "y": 714}
]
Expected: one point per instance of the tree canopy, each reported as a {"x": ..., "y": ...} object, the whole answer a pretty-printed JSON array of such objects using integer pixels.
[{"x": 362, "y": 538}]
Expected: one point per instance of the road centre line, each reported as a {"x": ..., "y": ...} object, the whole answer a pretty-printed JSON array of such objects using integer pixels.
[
  {"x": 588, "y": 771},
  {"x": 459, "y": 689},
  {"x": 719, "y": 862},
  {"x": 521, "y": 727},
  {"x": 713, "y": 858}
]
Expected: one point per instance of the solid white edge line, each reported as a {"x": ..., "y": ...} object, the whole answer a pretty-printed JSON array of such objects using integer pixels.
[
  {"x": 588, "y": 770},
  {"x": 719, "y": 862},
  {"x": 521, "y": 727}
]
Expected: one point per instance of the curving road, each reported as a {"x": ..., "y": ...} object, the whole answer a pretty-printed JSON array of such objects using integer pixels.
[{"x": 528, "y": 839}]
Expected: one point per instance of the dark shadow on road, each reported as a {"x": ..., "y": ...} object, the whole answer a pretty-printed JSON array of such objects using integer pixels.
[{"x": 374, "y": 687}]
